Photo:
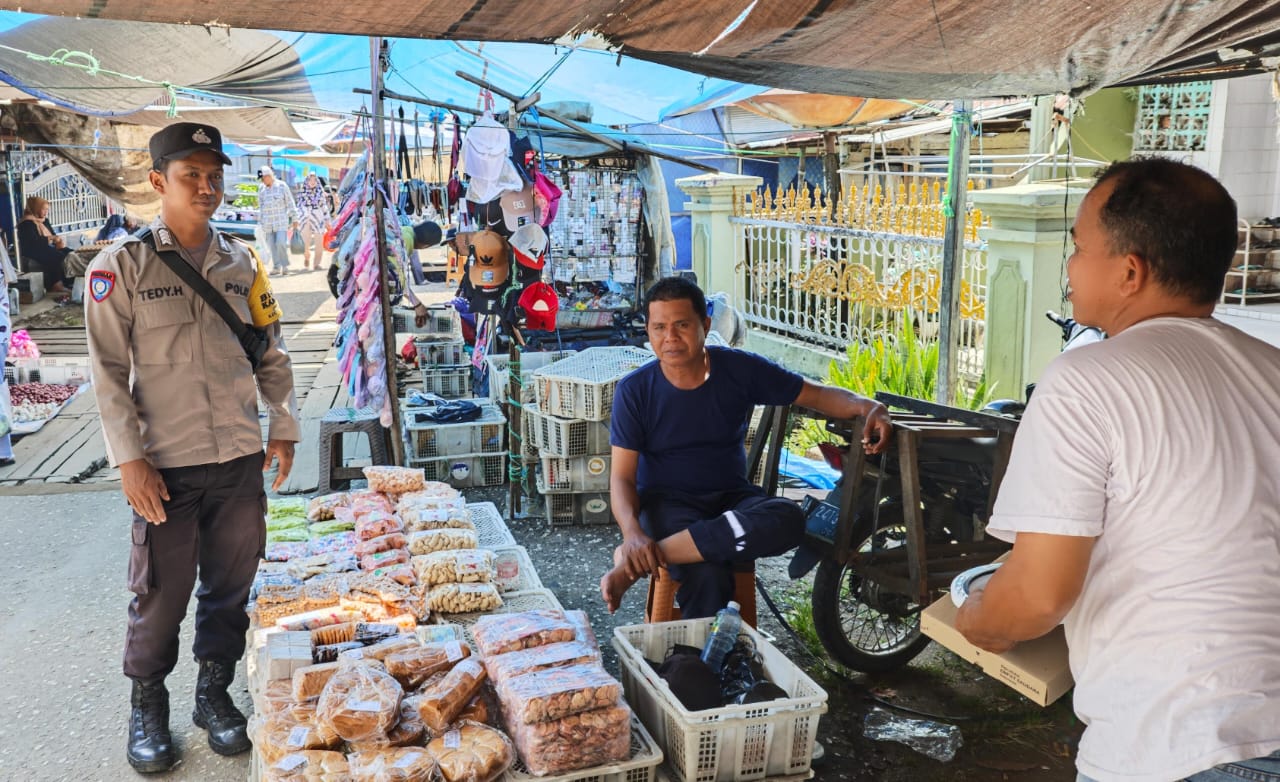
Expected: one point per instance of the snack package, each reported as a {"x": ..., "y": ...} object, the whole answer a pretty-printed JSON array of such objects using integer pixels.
[
  {"x": 395, "y": 480},
  {"x": 427, "y": 541},
  {"x": 381, "y": 543},
  {"x": 359, "y": 701},
  {"x": 283, "y": 552},
  {"x": 393, "y": 764},
  {"x": 321, "y": 617},
  {"x": 277, "y": 735},
  {"x": 376, "y": 523},
  {"x": 433, "y": 494},
  {"x": 477, "y": 710},
  {"x": 454, "y": 566},
  {"x": 321, "y": 508},
  {"x": 319, "y": 529},
  {"x": 580, "y": 620},
  {"x": 502, "y": 633},
  {"x": 329, "y": 653},
  {"x": 274, "y": 697},
  {"x": 441, "y": 701},
  {"x": 382, "y": 649},
  {"x": 297, "y": 534},
  {"x": 309, "y": 682},
  {"x": 416, "y": 519},
  {"x": 417, "y": 602},
  {"x": 592, "y": 738},
  {"x": 324, "y": 590},
  {"x": 556, "y": 693},
  {"x": 369, "y": 633},
  {"x": 311, "y": 765},
  {"x": 401, "y": 574},
  {"x": 472, "y": 752},
  {"x": 539, "y": 658},
  {"x": 395, "y": 556},
  {"x": 434, "y": 634},
  {"x": 464, "y": 598},
  {"x": 364, "y": 500},
  {"x": 412, "y": 667}
]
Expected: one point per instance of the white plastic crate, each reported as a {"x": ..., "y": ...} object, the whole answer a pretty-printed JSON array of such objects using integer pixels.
[
  {"x": 464, "y": 471},
  {"x": 586, "y": 508},
  {"x": 440, "y": 350},
  {"x": 448, "y": 382},
  {"x": 582, "y": 386},
  {"x": 756, "y": 741},
  {"x": 440, "y": 320},
  {"x": 491, "y": 530},
  {"x": 640, "y": 766},
  {"x": 565, "y": 437},
  {"x": 528, "y": 436},
  {"x": 430, "y": 440},
  {"x": 574, "y": 474},
  {"x": 529, "y": 363}
]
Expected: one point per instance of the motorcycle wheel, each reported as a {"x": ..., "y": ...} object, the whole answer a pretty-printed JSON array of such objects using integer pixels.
[{"x": 862, "y": 627}]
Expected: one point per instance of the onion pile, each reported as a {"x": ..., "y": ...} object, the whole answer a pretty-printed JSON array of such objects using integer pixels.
[{"x": 38, "y": 401}]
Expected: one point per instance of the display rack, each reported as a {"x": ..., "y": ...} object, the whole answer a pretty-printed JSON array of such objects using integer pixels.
[{"x": 1254, "y": 276}]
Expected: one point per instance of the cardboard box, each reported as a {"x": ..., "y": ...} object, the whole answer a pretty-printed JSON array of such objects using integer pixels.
[{"x": 1037, "y": 669}]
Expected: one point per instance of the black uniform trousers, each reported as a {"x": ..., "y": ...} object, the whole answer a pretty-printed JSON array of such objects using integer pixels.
[
  {"x": 731, "y": 530},
  {"x": 216, "y": 527}
]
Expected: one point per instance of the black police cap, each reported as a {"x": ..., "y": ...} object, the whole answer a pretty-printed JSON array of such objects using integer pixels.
[{"x": 183, "y": 139}]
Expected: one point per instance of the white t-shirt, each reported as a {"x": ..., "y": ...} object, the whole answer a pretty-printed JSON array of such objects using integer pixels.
[{"x": 1164, "y": 443}]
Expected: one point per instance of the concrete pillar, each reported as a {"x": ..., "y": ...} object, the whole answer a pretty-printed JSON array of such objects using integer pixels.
[
  {"x": 711, "y": 202},
  {"x": 1026, "y": 271}
]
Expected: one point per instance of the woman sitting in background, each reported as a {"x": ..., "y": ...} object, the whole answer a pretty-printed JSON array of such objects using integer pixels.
[
  {"x": 42, "y": 249},
  {"x": 112, "y": 229}
]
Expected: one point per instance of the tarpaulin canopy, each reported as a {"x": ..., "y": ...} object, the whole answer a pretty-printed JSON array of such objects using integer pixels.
[{"x": 886, "y": 49}]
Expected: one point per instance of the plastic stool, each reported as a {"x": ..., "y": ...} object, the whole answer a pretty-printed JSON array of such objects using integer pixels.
[
  {"x": 336, "y": 423},
  {"x": 660, "y": 605}
]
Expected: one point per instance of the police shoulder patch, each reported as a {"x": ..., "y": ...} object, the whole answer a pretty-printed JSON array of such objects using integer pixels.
[{"x": 101, "y": 283}]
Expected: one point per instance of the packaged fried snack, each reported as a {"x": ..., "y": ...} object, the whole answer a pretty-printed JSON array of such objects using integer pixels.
[
  {"x": 472, "y": 753},
  {"x": 454, "y": 566},
  {"x": 413, "y": 666},
  {"x": 436, "y": 518},
  {"x": 464, "y": 598},
  {"x": 555, "y": 693},
  {"x": 382, "y": 559},
  {"x": 429, "y": 540},
  {"x": 506, "y": 666},
  {"x": 381, "y": 543},
  {"x": 321, "y": 508},
  {"x": 359, "y": 701},
  {"x": 502, "y": 633},
  {"x": 441, "y": 701},
  {"x": 377, "y": 523},
  {"x": 311, "y": 765},
  {"x": 592, "y": 738},
  {"x": 393, "y": 764},
  {"x": 395, "y": 480}
]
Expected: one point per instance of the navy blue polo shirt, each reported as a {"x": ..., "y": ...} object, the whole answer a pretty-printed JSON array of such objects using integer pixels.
[{"x": 693, "y": 441}]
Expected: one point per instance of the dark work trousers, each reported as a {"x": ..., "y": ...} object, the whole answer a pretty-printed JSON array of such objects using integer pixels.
[
  {"x": 216, "y": 525},
  {"x": 731, "y": 530}
]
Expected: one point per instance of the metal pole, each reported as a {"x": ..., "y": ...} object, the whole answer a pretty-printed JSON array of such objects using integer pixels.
[
  {"x": 377, "y": 54},
  {"x": 953, "y": 251}
]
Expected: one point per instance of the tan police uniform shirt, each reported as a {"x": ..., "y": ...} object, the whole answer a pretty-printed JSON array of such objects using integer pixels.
[{"x": 173, "y": 383}]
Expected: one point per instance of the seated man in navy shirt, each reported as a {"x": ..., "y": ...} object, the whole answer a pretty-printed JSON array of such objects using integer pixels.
[{"x": 679, "y": 484}]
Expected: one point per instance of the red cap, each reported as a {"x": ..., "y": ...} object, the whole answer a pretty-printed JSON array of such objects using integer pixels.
[{"x": 540, "y": 305}]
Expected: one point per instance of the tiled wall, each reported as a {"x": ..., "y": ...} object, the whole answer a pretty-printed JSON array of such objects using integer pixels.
[{"x": 1248, "y": 158}]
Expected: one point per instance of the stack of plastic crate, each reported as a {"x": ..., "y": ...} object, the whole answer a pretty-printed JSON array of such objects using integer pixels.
[
  {"x": 569, "y": 424},
  {"x": 473, "y": 453},
  {"x": 443, "y": 357}
]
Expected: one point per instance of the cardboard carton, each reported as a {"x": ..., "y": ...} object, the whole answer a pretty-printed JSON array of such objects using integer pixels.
[{"x": 1036, "y": 669}]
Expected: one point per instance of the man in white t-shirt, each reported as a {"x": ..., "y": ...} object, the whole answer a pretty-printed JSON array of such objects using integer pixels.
[{"x": 1143, "y": 496}]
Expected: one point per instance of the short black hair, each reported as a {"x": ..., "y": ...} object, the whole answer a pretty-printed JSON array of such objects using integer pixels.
[
  {"x": 1175, "y": 216},
  {"x": 675, "y": 289}
]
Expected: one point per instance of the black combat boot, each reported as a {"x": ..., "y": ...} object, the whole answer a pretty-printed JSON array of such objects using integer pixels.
[
  {"x": 215, "y": 711},
  {"x": 150, "y": 745}
]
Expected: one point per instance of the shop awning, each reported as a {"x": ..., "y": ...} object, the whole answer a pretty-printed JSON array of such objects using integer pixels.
[{"x": 887, "y": 49}]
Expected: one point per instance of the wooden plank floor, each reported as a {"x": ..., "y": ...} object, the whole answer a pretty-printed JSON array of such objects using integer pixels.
[{"x": 70, "y": 448}]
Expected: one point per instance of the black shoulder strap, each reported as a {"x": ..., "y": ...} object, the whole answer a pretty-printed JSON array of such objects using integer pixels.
[{"x": 197, "y": 282}]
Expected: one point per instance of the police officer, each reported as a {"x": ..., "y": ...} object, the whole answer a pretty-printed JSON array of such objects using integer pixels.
[{"x": 179, "y": 406}]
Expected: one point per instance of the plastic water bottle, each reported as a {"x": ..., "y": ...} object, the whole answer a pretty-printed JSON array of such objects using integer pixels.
[{"x": 724, "y": 634}]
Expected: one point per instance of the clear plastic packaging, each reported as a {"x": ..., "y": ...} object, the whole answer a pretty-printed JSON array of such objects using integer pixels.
[
  {"x": 556, "y": 693},
  {"x": 936, "y": 740},
  {"x": 321, "y": 617},
  {"x": 381, "y": 543},
  {"x": 376, "y": 523},
  {"x": 401, "y": 573},
  {"x": 395, "y": 480},
  {"x": 454, "y": 566},
  {"x": 449, "y": 517},
  {"x": 277, "y": 735},
  {"x": 383, "y": 649},
  {"x": 502, "y": 633},
  {"x": 330, "y": 527},
  {"x": 313, "y": 765},
  {"x": 464, "y": 598},
  {"x": 442, "y": 700},
  {"x": 472, "y": 752},
  {"x": 433, "y": 494},
  {"x": 321, "y": 508},
  {"x": 412, "y": 667},
  {"x": 382, "y": 559},
  {"x": 310, "y": 681},
  {"x": 592, "y": 738},
  {"x": 512, "y": 664},
  {"x": 427, "y": 541},
  {"x": 580, "y": 620},
  {"x": 393, "y": 764},
  {"x": 285, "y": 551},
  {"x": 359, "y": 701}
]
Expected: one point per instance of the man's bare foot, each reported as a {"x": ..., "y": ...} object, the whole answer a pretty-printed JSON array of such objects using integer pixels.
[{"x": 613, "y": 585}]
